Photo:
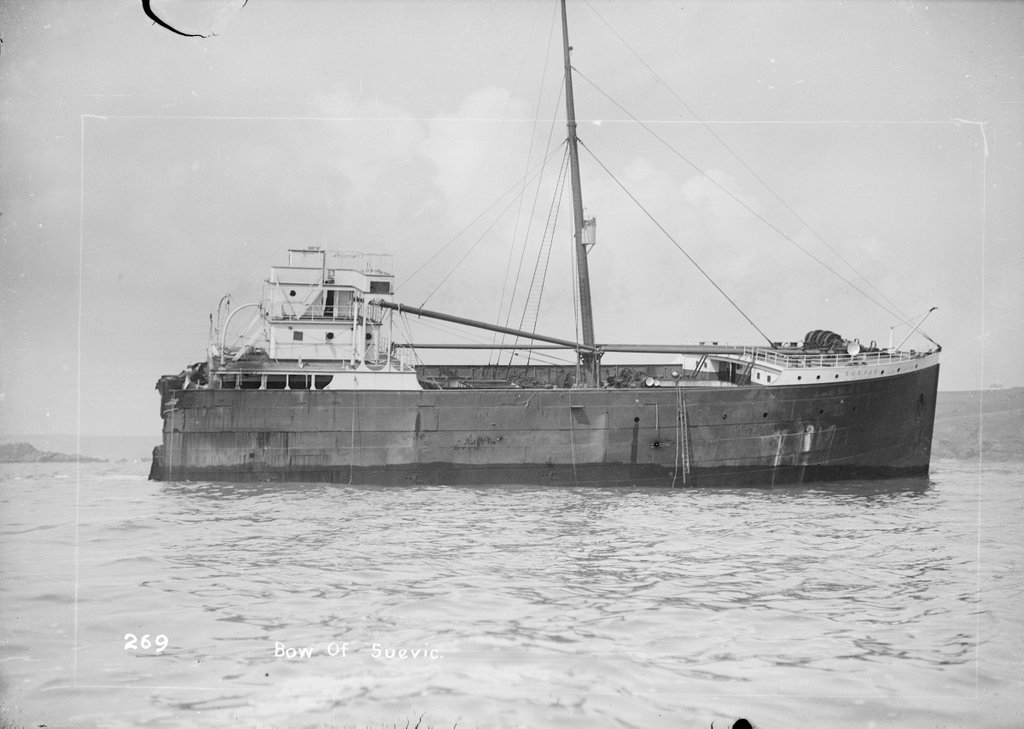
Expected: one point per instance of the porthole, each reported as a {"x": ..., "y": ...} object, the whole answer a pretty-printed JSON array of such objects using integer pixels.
[
  {"x": 818, "y": 377},
  {"x": 764, "y": 415},
  {"x": 330, "y": 336},
  {"x": 799, "y": 377},
  {"x": 724, "y": 416},
  {"x": 636, "y": 420},
  {"x": 292, "y": 292}
]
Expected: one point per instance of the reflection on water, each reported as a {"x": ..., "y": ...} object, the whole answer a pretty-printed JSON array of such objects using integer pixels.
[{"x": 307, "y": 605}]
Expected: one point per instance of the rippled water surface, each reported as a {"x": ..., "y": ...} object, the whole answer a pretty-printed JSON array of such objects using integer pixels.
[{"x": 892, "y": 604}]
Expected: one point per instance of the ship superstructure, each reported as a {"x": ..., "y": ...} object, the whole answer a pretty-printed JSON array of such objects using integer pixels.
[{"x": 320, "y": 330}]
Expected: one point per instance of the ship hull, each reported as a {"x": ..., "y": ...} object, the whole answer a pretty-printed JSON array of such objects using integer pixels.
[{"x": 681, "y": 437}]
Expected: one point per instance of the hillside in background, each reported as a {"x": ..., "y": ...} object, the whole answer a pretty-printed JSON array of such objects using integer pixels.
[
  {"x": 989, "y": 423},
  {"x": 26, "y": 453},
  {"x": 102, "y": 447}
]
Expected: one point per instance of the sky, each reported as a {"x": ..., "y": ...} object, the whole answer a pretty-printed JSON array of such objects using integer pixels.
[{"x": 144, "y": 175}]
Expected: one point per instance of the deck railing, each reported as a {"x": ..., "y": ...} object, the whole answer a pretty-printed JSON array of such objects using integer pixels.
[
  {"x": 378, "y": 263},
  {"x": 791, "y": 359}
]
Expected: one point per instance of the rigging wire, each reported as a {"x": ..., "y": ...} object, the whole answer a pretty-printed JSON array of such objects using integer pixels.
[
  {"x": 676, "y": 243},
  {"x": 460, "y": 332},
  {"x": 512, "y": 94},
  {"x": 473, "y": 222},
  {"x": 533, "y": 210},
  {"x": 540, "y": 268},
  {"x": 738, "y": 200},
  {"x": 529, "y": 156},
  {"x": 466, "y": 336},
  {"x": 403, "y": 321},
  {"x": 707, "y": 127},
  {"x": 479, "y": 240},
  {"x": 472, "y": 248}
]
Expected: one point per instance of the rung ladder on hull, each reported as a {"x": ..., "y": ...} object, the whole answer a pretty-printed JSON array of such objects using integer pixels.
[{"x": 682, "y": 439}]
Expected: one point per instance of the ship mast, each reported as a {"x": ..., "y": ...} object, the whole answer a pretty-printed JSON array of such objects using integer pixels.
[{"x": 589, "y": 358}]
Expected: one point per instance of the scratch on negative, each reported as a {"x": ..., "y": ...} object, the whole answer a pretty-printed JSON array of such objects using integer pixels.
[{"x": 148, "y": 10}]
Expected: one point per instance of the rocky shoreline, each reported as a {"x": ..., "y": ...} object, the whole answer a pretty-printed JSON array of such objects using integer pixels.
[{"x": 27, "y": 453}]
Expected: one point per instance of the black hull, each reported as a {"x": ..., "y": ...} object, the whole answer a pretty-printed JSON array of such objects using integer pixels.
[{"x": 696, "y": 436}]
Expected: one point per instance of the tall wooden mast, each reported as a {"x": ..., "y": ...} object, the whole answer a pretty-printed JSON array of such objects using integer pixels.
[{"x": 588, "y": 358}]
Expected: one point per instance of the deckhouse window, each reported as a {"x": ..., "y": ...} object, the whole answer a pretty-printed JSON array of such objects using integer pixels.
[
  {"x": 380, "y": 287},
  {"x": 297, "y": 336}
]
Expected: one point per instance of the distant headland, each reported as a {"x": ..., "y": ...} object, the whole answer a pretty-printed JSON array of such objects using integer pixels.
[
  {"x": 27, "y": 453},
  {"x": 986, "y": 423}
]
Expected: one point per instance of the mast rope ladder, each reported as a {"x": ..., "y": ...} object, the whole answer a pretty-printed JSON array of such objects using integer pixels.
[
  {"x": 536, "y": 197},
  {"x": 686, "y": 438},
  {"x": 528, "y": 177},
  {"x": 531, "y": 308}
]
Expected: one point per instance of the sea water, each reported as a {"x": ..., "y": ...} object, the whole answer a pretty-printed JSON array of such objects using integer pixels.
[{"x": 128, "y": 603}]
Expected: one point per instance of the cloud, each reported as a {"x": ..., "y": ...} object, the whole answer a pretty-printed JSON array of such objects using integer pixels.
[
  {"x": 367, "y": 136},
  {"x": 478, "y": 144}
]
